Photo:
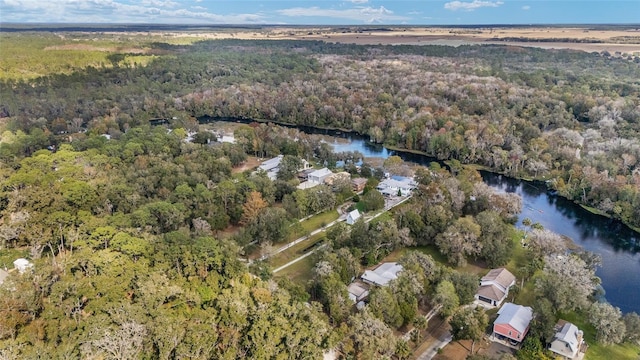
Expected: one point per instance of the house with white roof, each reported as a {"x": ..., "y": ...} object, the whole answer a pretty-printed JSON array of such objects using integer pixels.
[
  {"x": 271, "y": 164},
  {"x": 271, "y": 167},
  {"x": 390, "y": 187},
  {"x": 353, "y": 216},
  {"x": 513, "y": 322},
  {"x": 227, "y": 139},
  {"x": 383, "y": 274},
  {"x": 568, "y": 340},
  {"x": 494, "y": 287},
  {"x": 319, "y": 176}
]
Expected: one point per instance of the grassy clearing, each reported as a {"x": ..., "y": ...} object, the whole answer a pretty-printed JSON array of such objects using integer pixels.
[
  {"x": 317, "y": 221},
  {"x": 597, "y": 351},
  {"x": 311, "y": 224},
  {"x": 8, "y": 256},
  {"x": 433, "y": 251},
  {"x": 300, "y": 272},
  {"x": 519, "y": 256},
  {"x": 385, "y": 216},
  {"x": 295, "y": 251}
]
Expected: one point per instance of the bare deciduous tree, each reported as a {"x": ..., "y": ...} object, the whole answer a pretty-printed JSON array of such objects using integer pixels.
[
  {"x": 124, "y": 343},
  {"x": 610, "y": 329}
]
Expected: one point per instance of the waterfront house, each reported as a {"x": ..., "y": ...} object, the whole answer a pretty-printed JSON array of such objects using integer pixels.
[
  {"x": 494, "y": 287},
  {"x": 513, "y": 322},
  {"x": 568, "y": 341}
]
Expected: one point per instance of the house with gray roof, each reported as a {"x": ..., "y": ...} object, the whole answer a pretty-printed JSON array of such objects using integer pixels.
[
  {"x": 383, "y": 274},
  {"x": 358, "y": 291},
  {"x": 271, "y": 167},
  {"x": 568, "y": 341}
]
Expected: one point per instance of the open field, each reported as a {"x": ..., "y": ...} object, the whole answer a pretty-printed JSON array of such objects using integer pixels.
[
  {"x": 300, "y": 272},
  {"x": 21, "y": 53},
  {"x": 626, "y": 41},
  {"x": 30, "y": 55}
]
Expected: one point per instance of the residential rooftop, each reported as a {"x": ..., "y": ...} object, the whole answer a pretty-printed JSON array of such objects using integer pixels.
[{"x": 517, "y": 316}]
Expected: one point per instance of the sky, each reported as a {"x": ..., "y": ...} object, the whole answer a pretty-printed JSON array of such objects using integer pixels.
[{"x": 323, "y": 12}]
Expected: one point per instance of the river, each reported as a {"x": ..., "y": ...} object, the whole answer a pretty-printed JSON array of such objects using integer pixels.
[{"x": 615, "y": 242}]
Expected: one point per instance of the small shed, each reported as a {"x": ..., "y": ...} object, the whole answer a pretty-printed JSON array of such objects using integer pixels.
[
  {"x": 353, "y": 216},
  {"x": 22, "y": 265}
]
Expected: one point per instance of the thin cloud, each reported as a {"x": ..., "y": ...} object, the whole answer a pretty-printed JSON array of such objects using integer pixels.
[
  {"x": 470, "y": 6},
  {"x": 159, "y": 3},
  {"x": 113, "y": 11},
  {"x": 358, "y": 1},
  {"x": 365, "y": 14},
  {"x": 526, "y": 7}
]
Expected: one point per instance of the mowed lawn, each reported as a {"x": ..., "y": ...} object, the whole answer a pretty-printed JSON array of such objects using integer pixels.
[
  {"x": 295, "y": 251},
  {"x": 300, "y": 272},
  {"x": 317, "y": 221}
]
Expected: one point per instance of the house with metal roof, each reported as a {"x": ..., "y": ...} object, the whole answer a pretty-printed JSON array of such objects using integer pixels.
[
  {"x": 353, "y": 216},
  {"x": 383, "y": 274},
  {"x": 513, "y": 322},
  {"x": 271, "y": 164},
  {"x": 319, "y": 176},
  {"x": 391, "y": 186},
  {"x": 567, "y": 341}
]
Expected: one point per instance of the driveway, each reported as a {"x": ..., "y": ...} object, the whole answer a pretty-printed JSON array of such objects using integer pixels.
[{"x": 495, "y": 350}]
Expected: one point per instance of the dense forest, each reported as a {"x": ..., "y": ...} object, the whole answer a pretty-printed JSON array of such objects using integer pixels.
[
  {"x": 569, "y": 117},
  {"x": 142, "y": 235}
]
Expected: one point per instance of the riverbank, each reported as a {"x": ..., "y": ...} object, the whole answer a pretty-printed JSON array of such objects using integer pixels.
[
  {"x": 480, "y": 167},
  {"x": 205, "y": 119}
]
